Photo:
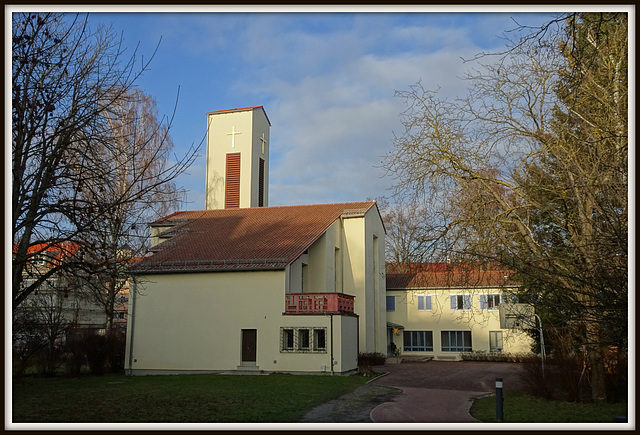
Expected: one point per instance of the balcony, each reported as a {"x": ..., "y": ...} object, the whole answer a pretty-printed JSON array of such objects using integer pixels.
[{"x": 318, "y": 303}]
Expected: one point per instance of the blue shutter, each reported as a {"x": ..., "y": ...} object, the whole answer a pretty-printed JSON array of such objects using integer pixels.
[
  {"x": 483, "y": 302},
  {"x": 454, "y": 302},
  {"x": 391, "y": 303}
]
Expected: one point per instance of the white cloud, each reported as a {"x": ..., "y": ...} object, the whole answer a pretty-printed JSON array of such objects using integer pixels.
[
  {"x": 327, "y": 82},
  {"x": 333, "y": 125}
]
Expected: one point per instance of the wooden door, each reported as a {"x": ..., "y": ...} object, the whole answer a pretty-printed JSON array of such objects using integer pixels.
[{"x": 249, "y": 345}]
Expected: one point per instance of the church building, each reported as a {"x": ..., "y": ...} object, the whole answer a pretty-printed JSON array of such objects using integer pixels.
[{"x": 241, "y": 286}]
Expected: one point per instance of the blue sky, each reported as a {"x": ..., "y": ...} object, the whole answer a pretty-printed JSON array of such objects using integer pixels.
[{"x": 326, "y": 80}]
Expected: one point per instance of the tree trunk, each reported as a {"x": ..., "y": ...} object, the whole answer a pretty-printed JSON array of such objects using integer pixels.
[{"x": 596, "y": 364}]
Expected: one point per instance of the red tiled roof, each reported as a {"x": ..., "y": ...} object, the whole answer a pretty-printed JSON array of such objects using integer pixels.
[
  {"x": 55, "y": 253},
  {"x": 242, "y": 239},
  {"x": 456, "y": 278},
  {"x": 449, "y": 266},
  {"x": 58, "y": 249},
  {"x": 241, "y": 109}
]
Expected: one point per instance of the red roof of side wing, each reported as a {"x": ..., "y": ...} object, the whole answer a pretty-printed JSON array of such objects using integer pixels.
[
  {"x": 455, "y": 278},
  {"x": 263, "y": 238}
]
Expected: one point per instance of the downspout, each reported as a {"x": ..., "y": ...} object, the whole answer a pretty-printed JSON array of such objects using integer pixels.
[
  {"x": 132, "y": 298},
  {"x": 342, "y": 254},
  {"x": 331, "y": 332},
  {"x": 357, "y": 336}
]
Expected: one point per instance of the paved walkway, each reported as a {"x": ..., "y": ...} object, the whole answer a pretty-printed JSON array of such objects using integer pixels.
[
  {"x": 428, "y": 392},
  {"x": 421, "y": 405},
  {"x": 440, "y": 391}
]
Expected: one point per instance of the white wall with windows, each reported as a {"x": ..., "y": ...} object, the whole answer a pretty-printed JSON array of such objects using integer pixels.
[
  {"x": 206, "y": 334},
  {"x": 445, "y": 323},
  {"x": 310, "y": 343}
]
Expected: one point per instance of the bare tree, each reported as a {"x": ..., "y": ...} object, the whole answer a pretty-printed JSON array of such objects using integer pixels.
[
  {"x": 63, "y": 77},
  {"x": 41, "y": 325},
  {"x": 66, "y": 77},
  {"x": 412, "y": 234},
  {"x": 533, "y": 162},
  {"x": 139, "y": 182}
]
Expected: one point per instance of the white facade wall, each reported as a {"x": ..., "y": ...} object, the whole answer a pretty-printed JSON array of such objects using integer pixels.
[
  {"x": 341, "y": 345},
  {"x": 441, "y": 317},
  {"x": 364, "y": 277},
  {"x": 375, "y": 234},
  {"x": 248, "y": 127},
  {"x": 193, "y": 323},
  {"x": 349, "y": 258}
]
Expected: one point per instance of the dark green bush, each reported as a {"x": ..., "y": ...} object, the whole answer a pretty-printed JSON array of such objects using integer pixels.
[
  {"x": 563, "y": 377},
  {"x": 95, "y": 348},
  {"x": 116, "y": 344},
  {"x": 494, "y": 356},
  {"x": 366, "y": 361}
]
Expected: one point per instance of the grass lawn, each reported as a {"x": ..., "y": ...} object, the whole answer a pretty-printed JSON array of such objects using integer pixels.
[
  {"x": 524, "y": 408},
  {"x": 203, "y": 398}
]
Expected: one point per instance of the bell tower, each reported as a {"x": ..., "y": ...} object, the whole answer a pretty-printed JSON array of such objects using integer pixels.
[{"x": 237, "y": 158}]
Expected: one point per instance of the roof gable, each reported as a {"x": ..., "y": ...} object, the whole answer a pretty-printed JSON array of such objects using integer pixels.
[
  {"x": 241, "y": 109},
  {"x": 263, "y": 238}
]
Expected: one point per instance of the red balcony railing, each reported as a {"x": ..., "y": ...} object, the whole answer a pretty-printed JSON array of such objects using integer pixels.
[{"x": 318, "y": 303}]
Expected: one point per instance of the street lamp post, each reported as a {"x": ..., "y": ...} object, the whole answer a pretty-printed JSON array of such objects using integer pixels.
[{"x": 541, "y": 342}]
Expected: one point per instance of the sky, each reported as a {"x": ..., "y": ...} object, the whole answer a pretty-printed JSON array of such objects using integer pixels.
[{"x": 326, "y": 80}]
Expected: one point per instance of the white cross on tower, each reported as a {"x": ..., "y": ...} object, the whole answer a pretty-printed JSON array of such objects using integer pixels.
[
  {"x": 233, "y": 136},
  {"x": 264, "y": 141}
]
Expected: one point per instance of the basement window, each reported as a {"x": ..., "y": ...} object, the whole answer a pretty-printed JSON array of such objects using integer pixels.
[{"x": 303, "y": 340}]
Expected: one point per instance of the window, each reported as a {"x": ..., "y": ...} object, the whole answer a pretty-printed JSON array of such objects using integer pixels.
[
  {"x": 119, "y": 315},
  {"x": 490, "y": 302},
  {"x": 41, "y": 260},
  {"x": 391, "y": 303},
  {"x": 287, "y": 339},
  {"x": 418, "y": 341},
  {"x": 424, "y": 303},
  {"x": 303, "y": 340},
  {"x": 305, "y": 278},
  {"x": 456, "y": 341},
  {"x": 460, "y": 302},
  {"x": 337, "y": 269},
  {"x": 319, "y": 339},
  {"x": 495, "y": 341},
  {"x": 261, "y": 183}
]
